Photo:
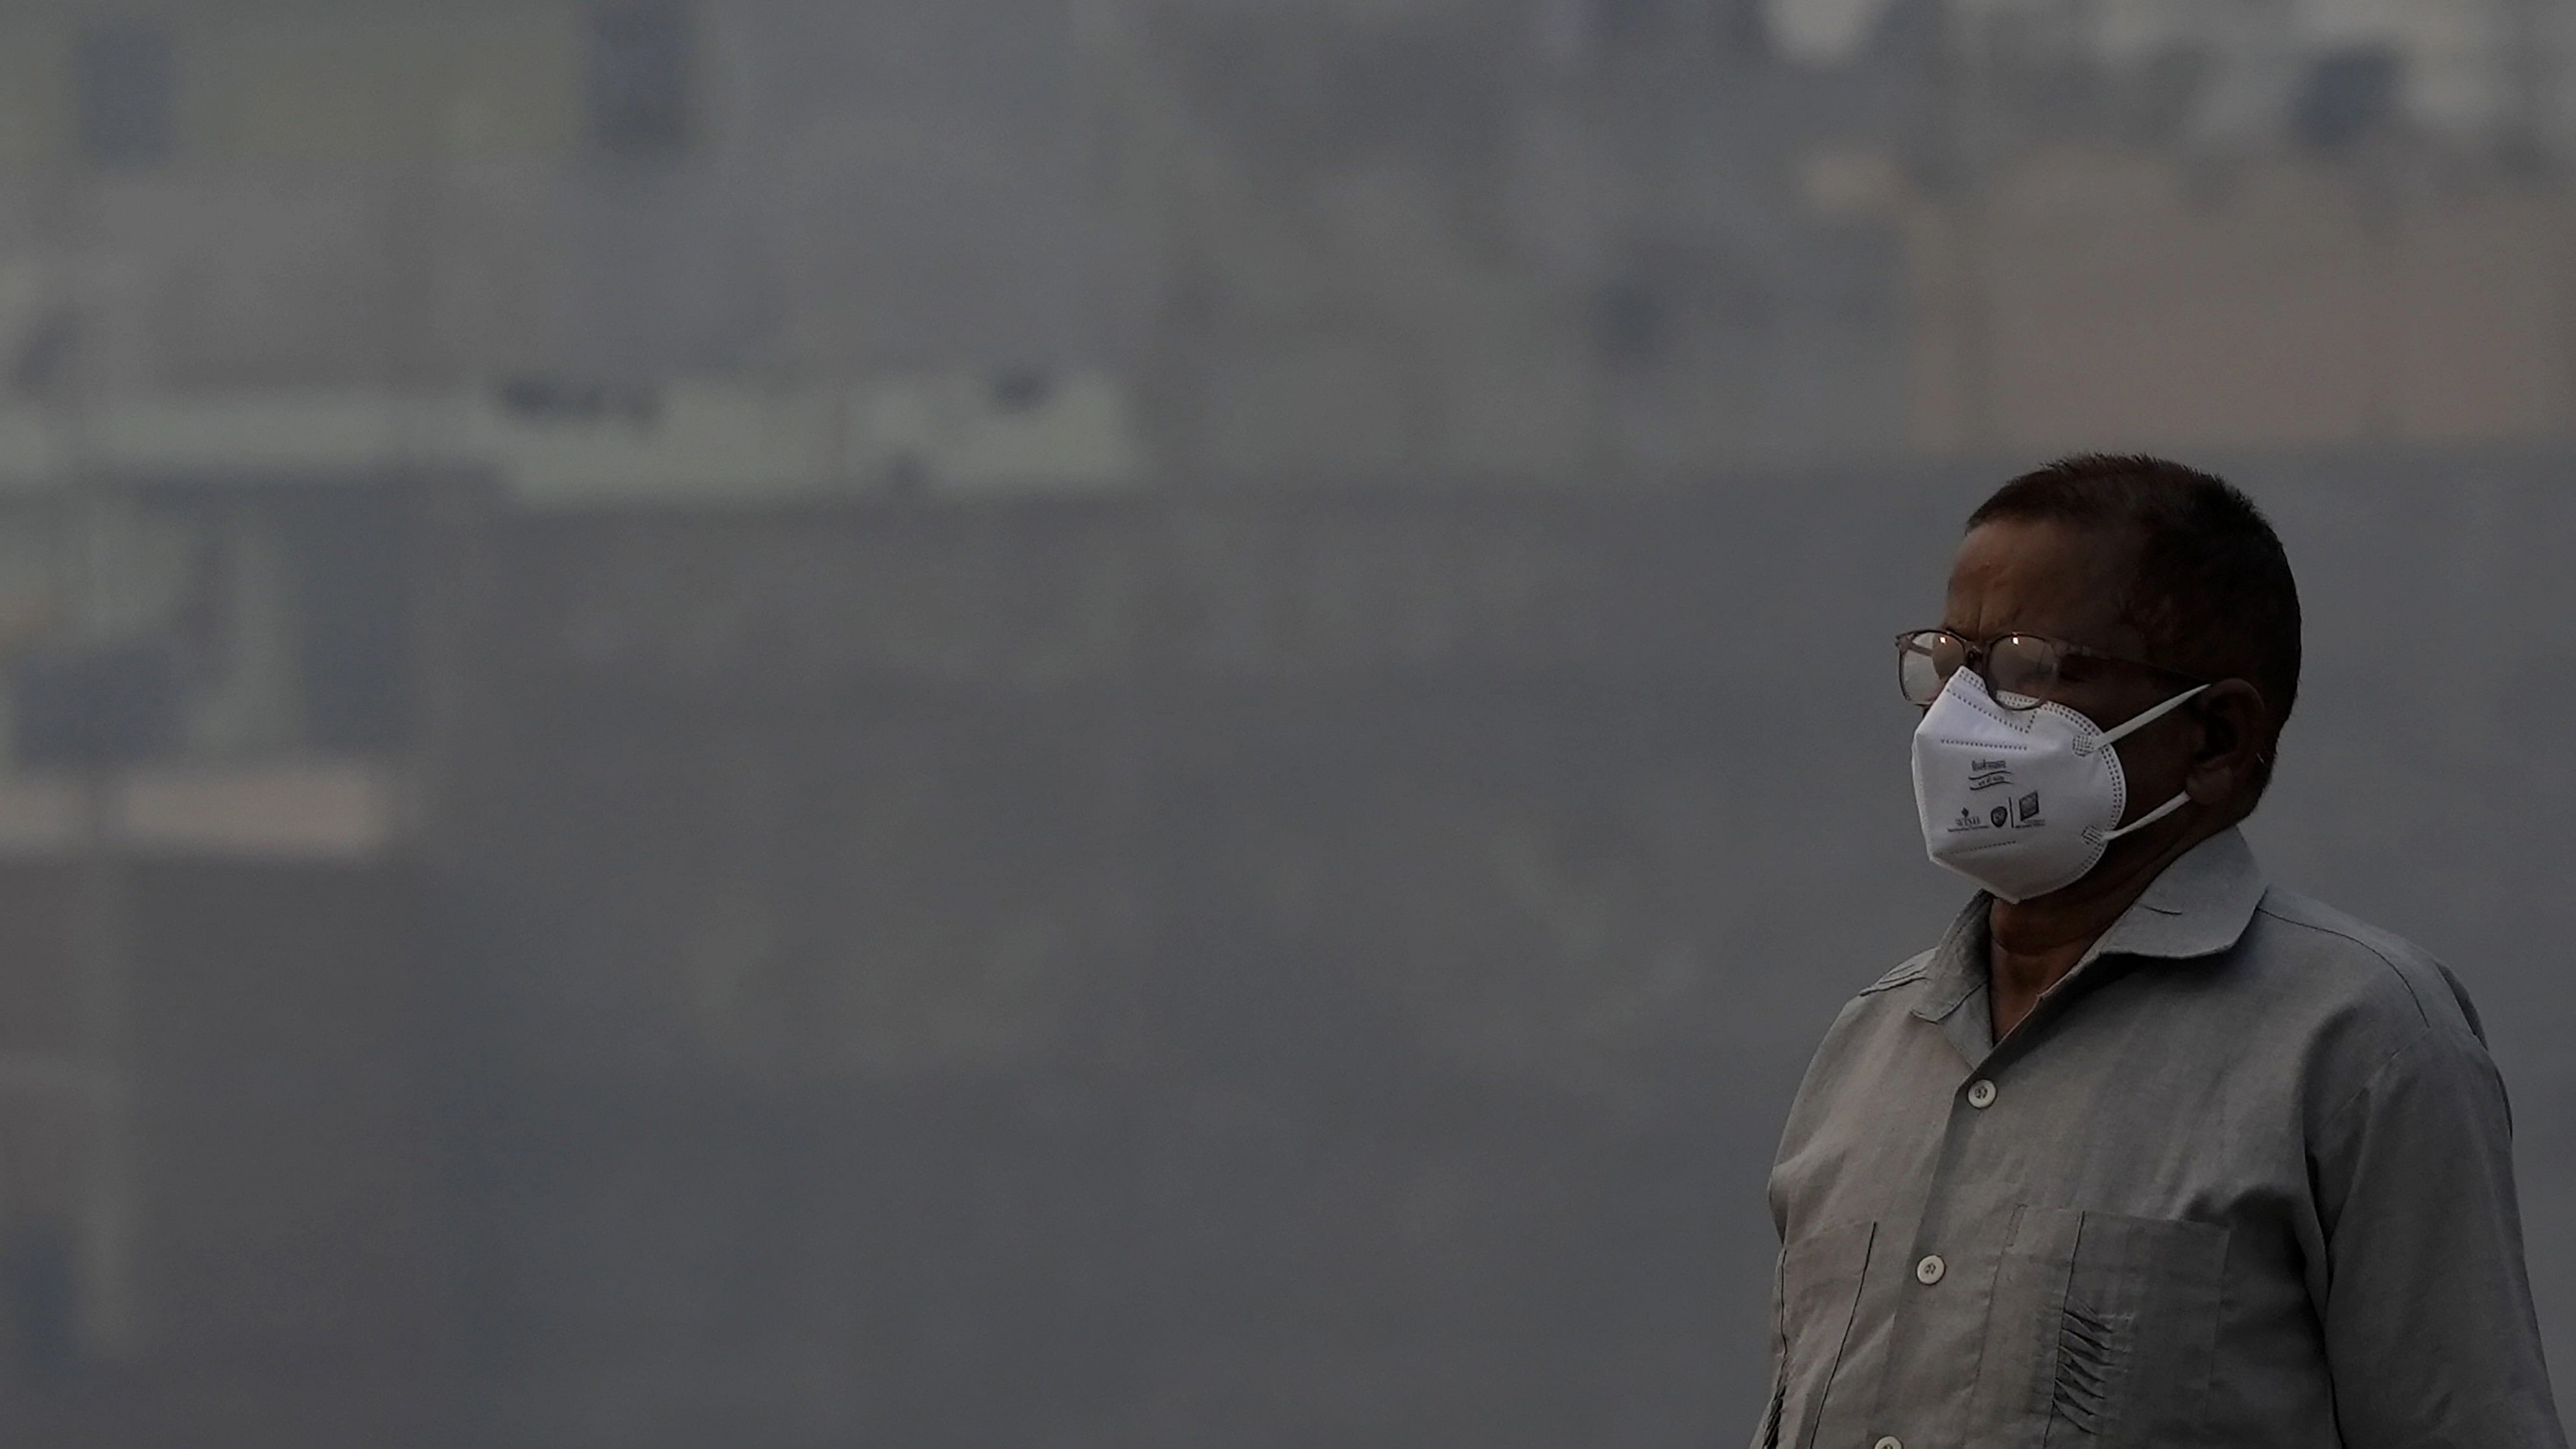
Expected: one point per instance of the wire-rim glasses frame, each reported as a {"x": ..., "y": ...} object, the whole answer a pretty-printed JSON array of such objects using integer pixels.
[{"x": 1926, "y": 658}]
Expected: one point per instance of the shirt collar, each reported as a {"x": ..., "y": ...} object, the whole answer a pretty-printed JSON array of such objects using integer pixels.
[{"x": 2199, "y": 906}]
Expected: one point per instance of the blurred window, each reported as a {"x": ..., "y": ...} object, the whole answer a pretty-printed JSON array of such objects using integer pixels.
[
  {"x": 346, "y": 553},
  {"x": 109, "y": 705},
  {"x": 2349, "y": 95},
  {"x": 124, "y": 79},
  {"x": 33, "y": 104},
  {"x": 642, "y": 63},
  {"x": 48, "y": 1150},
  {"x": 1631, "y": 326},
  {"x": 40, "y": 1292}
]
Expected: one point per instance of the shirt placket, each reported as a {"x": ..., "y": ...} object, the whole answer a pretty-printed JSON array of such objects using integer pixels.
[
  {"x": 1941, "y": 1310},
  {"x": 1940, "y": 1293}
]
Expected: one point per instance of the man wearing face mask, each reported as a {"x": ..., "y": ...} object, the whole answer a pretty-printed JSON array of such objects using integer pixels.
[{"x": 2146, "y": 1152}]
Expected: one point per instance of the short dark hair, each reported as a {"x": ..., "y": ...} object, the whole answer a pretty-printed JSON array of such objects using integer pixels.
[{"x": 2212, "y": 590}]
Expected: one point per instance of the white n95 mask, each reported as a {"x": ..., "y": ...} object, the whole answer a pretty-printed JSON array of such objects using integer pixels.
[{"x": 2022, "y": 801}]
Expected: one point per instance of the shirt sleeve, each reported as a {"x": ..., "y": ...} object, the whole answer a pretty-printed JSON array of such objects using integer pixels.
[{"x": 2430, "y": 1335}]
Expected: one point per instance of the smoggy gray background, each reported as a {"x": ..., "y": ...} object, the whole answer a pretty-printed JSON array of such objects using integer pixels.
[
  {"x": 1147, "y": 723},
  {"x": 1439, "y": 899}
]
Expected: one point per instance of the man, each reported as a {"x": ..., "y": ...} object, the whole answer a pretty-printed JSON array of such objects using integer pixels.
[{"x": 2145, "y": 1152}]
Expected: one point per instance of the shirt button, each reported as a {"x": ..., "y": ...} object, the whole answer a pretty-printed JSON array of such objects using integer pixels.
[
  {"x": 1929, "y": 1271},
  {"x": 1981, "y": 1095},
  {"x": 1890, "y": 1442}
]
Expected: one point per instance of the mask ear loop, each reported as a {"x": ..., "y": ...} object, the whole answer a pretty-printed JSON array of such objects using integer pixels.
[
  {"x": 2143, "y": 720},
  {"x": 2150, "y": 818}
]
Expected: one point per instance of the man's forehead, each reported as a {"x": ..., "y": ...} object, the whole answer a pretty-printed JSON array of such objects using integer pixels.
[{"x": 2042, "y": 576}]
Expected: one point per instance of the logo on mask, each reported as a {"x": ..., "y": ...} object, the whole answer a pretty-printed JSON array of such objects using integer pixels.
[
  {"x": 1967, "y": 821},
  {"x": 2027, "y": 808},
  {"x": 1999, "y": 815}
]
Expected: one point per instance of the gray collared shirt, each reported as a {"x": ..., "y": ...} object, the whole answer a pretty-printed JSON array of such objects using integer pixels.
[{"x": 2243, "y": 1178}]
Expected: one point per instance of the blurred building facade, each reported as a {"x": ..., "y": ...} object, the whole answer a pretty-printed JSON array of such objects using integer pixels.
[{"x": 831, "y": 246}]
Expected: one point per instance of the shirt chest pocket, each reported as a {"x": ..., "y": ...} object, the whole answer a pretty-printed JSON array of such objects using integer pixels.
[
  {"x": 2105, "y": 1330},
  {"x": 1820, "y": 1278}
]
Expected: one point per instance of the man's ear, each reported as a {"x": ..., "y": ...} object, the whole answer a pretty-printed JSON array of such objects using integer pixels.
[{"x": 2235, "y": 725}]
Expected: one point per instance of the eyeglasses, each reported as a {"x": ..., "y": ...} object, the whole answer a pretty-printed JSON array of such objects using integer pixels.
[{"x": 2020, "y": 670}]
